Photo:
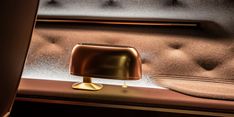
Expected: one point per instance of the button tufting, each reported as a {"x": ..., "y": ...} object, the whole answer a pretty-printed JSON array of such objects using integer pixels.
[
  {"x": 208, "y": 64},
  {"x": 52, "y": 40},
  {"x": 161, "y": 54},
  {"x": 175, "y": 45},
  {"x": 52, "y": 2}
]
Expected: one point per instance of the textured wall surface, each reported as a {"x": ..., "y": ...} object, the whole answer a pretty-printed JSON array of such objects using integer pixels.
[
  {"x": 170, "y": 51},
  {"x": 218, "y": 11},
  {"x": 164, "y": 51}
]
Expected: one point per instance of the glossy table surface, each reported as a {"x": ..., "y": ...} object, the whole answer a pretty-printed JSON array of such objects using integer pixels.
[{"x": 59, "y": 92}]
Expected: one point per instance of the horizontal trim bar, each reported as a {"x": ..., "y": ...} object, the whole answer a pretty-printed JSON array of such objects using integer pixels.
[
  {"x": 145, "y": 23},
  {"x": 93, "y": 104}
]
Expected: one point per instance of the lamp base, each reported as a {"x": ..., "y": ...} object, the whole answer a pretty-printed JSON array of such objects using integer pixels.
[{"x": 87, "y": 85}]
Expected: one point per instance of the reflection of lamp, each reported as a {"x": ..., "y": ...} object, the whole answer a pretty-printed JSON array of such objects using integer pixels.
[{"x": 104, "y": 61}]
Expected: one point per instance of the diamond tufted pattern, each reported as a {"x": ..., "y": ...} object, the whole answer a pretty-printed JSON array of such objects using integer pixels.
[{"x": 170, "y": 52}]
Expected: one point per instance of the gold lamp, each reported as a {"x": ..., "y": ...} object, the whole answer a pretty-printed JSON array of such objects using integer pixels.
[{"x": 104, "y": 61}]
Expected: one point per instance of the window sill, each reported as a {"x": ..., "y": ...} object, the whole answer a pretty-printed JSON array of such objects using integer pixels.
[{"x": 59, "y": 92}]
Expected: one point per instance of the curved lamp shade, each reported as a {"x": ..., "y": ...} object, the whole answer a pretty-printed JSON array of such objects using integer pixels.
[{"x": 105, "y": 61}]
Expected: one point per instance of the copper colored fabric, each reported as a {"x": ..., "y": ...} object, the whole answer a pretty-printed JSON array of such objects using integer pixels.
[
  {"x": 199, "y": 88},
  {"x": 190, "y": 61}
]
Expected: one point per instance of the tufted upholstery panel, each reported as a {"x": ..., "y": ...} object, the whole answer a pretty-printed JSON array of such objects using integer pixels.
[
  {"x": 167, "y": 53},
  {"x": 219, "y": 11}
]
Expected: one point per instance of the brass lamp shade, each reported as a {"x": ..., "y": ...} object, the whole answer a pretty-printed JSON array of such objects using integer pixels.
[{"x": 105, "y": 61}]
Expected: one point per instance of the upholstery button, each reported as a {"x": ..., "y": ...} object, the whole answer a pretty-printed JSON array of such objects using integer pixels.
[
  {"x": 175, "y": 45},
  {"x": 208, "y": 64},
  {"x": 52, "y": 2},
  {"x": 52, "y": 40}
]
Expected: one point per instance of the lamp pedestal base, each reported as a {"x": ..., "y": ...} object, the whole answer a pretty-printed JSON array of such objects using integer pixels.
[{"x": 87, "y": 85}]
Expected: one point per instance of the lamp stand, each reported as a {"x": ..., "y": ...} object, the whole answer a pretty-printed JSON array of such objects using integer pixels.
[{"x": 87, "y": 85}]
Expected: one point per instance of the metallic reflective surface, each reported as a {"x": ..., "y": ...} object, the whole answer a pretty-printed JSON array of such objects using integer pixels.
[
  {"x": 105, "y": 61},
  {"x": 87, "y": 85}
]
